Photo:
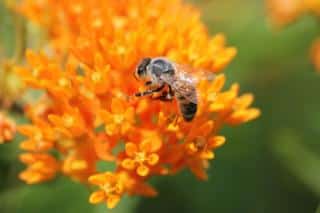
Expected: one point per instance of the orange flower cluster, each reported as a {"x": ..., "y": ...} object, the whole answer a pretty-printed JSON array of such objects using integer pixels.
[
  {"x": 88, "y": 114},
  {"x": 283, "y": 12},
  {"x": 7, "y": 129}
]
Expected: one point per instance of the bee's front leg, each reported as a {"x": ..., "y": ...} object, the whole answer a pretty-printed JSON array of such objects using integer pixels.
[
  {"x": 165, "y": 96},
  {"x": 149, "y": 92}
]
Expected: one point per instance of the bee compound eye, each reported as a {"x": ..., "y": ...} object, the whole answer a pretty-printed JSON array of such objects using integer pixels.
[{"x": 142, "y": 67}]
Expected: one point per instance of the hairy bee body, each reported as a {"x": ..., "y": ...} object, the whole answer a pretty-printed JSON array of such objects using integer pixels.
[
  {"x": 159, "y": 72},
  {"x": 187, "y": 107}
]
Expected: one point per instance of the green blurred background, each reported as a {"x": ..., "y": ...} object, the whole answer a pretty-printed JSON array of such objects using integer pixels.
[{"x": 268, "y": 165}]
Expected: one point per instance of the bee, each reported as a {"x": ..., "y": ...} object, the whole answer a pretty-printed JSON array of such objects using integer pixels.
[{"x": 160, "y": 72}]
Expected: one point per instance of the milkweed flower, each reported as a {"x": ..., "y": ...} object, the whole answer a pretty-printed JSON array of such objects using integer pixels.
[
  {"x": 88, "y": 114},
  {"x": 284, "y": 12},
  {"x": 7, "y": 129}
]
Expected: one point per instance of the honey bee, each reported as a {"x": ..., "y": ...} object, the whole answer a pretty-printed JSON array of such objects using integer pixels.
[{"x": 160, "y": 72}]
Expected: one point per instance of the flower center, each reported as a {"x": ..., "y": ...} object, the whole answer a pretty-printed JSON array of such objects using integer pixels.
[
  {"x": 63, "y": 82},
  {"x": 200, "y": 143},
  {"x": 96, "y": 77},
  {"x": 118, "y": 118},
  {"x": 140, "y": 157},
  {"x": 110, "y": 188},
  {"x": 38, "y": 137},
  {"x": 68, "y": 121}
]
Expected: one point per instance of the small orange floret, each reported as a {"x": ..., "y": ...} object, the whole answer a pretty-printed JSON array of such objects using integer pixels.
[
  {"x": 121, "y": 118},
  {"x": 7, "y": 129},
  {"x": 141, "y": 157},
  {"x": 41, "y": 167},
  {"x": 111, "y": 188}
]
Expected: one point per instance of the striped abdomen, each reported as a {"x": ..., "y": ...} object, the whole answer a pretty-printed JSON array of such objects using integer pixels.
[{"x": 187, "y": 107}]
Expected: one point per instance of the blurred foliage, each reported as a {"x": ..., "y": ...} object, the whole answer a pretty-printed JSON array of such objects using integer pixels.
[{"x": 269, "y": 165}]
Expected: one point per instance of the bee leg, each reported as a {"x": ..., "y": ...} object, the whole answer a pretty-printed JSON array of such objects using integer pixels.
[
  {"x": 165, "y": 96},
  {"x": 171, "y": 91},
  {"x": 149, "y": 92}
]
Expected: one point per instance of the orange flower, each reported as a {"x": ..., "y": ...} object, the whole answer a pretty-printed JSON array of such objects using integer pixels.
[
  {"x": 7, "y": 129},
  {"x": 112, "y": 187},
  {"x": 40, "y": 137},
  {"x": 120, "y": 119},
  {"x": 90, "y": 113},
  {"x": 200, "y": 142},
  {"x": 80, "y": 162},
  {"x": 142, "y": 156},
  {"x": 41, "y": 167}
]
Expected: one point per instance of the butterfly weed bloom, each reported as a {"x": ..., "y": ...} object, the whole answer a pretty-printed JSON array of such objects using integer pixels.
[
  {"x": 88, "y": 114},
  {"x": 284, "y": 12}
]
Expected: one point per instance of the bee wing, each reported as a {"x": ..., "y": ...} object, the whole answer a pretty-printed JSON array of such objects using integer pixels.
[
  {"x": 183, "y": 84},
  {"x": 193, "y": 75},
  {"x": 186, "y": 90}
]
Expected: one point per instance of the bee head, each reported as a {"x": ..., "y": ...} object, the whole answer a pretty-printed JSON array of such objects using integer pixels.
[{"x": 141, "y": 70}]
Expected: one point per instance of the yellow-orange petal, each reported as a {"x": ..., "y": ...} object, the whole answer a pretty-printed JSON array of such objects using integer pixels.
[
  {"x": 98, "y": 179},
  {"x": 218, "y": 83},
  {"x": 131, "y": 149},
  {"x": 203, "y": 130},
  {"x": 111, "y": 129},
  {"x": 153, "y": 159},
  {"x": 207, "y": 155},
  {"x": 244, "y": 101},
  {"x": 125, "y": 127},
  {"x": 129, "y": 114},
  {"x": 30, "y": 177},
  {"x": 146, "y": 145},
  {"x": 128, "y": 164},
  {"x": 106, "y": 116},
  {"x": 117, "y": 106},
  {"x": 191, "y": 148},
  {"x": 97, "y": 197},
  {"x": 151, "y": 143},
  {"x": 242, "y": 116},
  {"x": 26, "y": 130},
  {"x": 216, "y": 141},
  {"x": 143, "y": 170},
  {"x": 112, "y": 201}
]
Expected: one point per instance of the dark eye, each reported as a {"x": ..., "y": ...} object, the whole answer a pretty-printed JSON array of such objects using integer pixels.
[{"x": 143, "y": 66}]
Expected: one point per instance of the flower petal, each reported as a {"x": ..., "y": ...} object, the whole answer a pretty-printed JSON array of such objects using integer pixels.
[
  {"x": 112, "y": 201},
  {"x": 117, "y": 106},
  {"x": 216, "y": 141},
  {"x": 142, "y": 170},
  {"x": 98, "y": 179},
  {"x": 128, "y": 164},
  {"x": 97, "y": 197},
  {"x": 207, "y": 155},
  {"x": 153, "y": 159},
  {"x": 131, "y": 149}
]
